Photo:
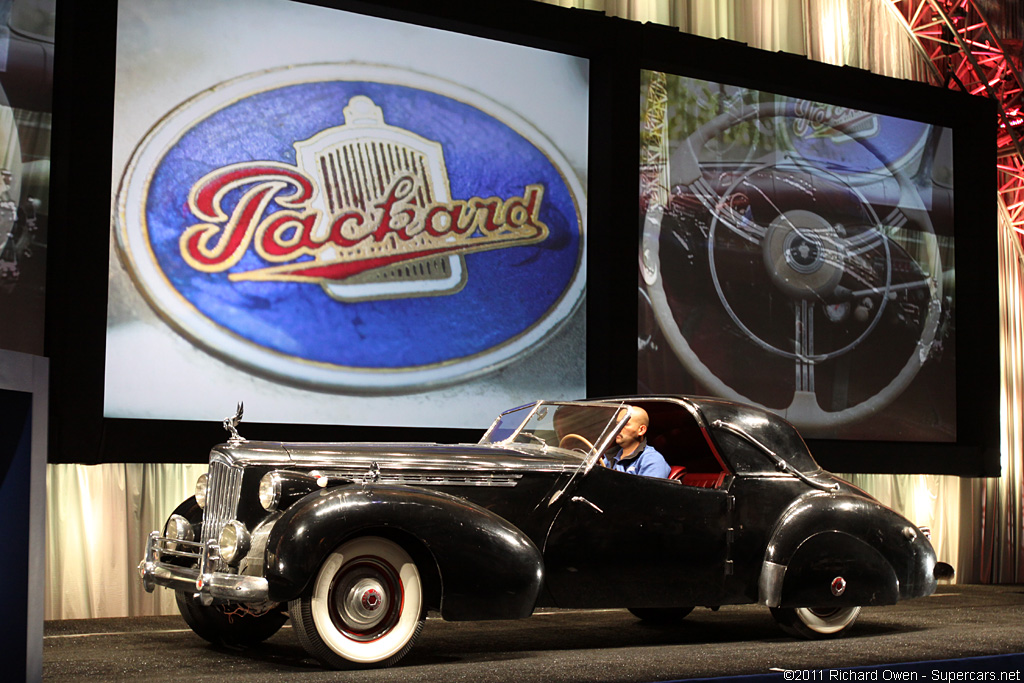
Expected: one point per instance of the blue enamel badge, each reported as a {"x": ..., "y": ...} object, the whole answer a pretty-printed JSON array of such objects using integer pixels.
[{"x": 353, "y": 227}]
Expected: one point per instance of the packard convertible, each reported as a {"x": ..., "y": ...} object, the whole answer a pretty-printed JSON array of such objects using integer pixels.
[{"x": 355, "y": 542}]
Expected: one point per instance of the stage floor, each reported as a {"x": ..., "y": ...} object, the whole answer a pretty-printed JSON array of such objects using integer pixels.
[{"x": 569, "y": 645}]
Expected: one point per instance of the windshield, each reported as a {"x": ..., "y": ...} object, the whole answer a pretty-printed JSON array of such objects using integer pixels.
[{"x": 580, "y": 427}]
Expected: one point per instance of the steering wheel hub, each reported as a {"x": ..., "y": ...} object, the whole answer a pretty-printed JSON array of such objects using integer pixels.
[{"x": 802, "y": 254}]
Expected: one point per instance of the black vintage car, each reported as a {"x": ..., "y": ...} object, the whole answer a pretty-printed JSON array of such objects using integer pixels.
[{"x": 355, "y": 542}]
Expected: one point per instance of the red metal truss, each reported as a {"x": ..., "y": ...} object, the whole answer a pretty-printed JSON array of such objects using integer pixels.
[{"x": 967, "y": 53}]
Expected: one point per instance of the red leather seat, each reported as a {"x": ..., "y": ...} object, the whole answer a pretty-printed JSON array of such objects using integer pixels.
[
  {"x": 704, "y": 480},
  {"x": 678, "y": 471}
]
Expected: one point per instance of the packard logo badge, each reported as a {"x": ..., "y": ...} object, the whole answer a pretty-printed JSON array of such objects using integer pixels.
[{"x": 353, "y": 227}]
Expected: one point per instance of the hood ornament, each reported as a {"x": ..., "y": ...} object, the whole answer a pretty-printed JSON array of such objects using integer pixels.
[
  {"x": 231, "y": 426},
  {"x": 372, "y": 475}
]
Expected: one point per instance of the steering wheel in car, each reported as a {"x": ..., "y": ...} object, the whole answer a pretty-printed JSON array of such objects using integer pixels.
[{"x": 569, "y": 437}]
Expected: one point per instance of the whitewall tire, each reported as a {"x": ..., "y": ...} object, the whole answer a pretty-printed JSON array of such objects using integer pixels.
[
  {"x": 815, "y": 623},
  {"x": 365, "y": 607}
]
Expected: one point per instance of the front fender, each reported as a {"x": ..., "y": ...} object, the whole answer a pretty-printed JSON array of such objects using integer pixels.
[
  {"x": 881, "y": 556},
  {"x": 190, "y": 510},
  {"x": 488, "y": 568}
]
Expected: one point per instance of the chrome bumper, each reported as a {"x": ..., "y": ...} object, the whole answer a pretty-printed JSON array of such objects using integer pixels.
[{"x": 200, "y": 579}]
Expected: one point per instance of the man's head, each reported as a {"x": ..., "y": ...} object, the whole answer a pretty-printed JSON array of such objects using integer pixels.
[{"x": 632, "y": 433}]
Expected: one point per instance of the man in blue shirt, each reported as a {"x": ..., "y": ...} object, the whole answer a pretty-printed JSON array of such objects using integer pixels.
[{"x": 634, "y": 455}]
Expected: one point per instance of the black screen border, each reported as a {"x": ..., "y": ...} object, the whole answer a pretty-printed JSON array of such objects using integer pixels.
[{"x": 973, "y": 121}]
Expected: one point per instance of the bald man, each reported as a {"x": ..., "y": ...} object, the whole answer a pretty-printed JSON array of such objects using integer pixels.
[{"x": 633, "y": 455}]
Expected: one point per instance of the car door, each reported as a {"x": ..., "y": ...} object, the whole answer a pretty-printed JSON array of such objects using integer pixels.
[{"x": 621, "y": 540}]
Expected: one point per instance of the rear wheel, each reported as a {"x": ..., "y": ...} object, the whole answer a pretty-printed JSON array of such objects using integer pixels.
[
  {"x": 365, "y": 608},
  {"x": 661, "y": 615},
  {"x": 228, "y": 623},
  {"x": 815, "y": 622}
]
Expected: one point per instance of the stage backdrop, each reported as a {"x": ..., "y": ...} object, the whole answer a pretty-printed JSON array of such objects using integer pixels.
[{"x": 976, "y": 523}]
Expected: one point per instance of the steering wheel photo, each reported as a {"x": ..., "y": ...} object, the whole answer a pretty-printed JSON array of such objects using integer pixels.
[{"x": 789, "y": 237}]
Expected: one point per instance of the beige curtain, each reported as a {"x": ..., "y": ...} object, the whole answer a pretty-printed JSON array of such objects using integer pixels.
[
  {"x": 97, "y": 521},
  {"x": 867, "y": 34},
  {"x": 927, "y": 500}
]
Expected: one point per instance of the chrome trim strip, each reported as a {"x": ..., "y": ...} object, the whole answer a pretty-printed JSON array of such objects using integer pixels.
[
  {"x": 427, "y": 479},
  {"x": 516, "y": 457},
  {"x": 769, "y": 586},
  {"x": 178, "y": 553}
]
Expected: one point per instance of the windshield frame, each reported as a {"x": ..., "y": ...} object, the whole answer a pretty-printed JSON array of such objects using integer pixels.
[
  {"x": 612, "y": 426},
  {"x": 485, "y": 440}
]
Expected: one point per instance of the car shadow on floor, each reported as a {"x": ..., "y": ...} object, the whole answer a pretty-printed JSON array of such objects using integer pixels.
[{"x": 443, "y": 642}]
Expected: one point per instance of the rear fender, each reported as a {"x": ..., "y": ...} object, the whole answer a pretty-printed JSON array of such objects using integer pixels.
[
  {"x": 488, "y": 568},
  {"x": 879, "y": 556},
  {"x": 834, "y": 569}
]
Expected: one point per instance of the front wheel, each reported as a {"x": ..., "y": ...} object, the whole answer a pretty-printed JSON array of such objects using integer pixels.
[
  {"x": 228, "y": 624},
  {"x": 815, "y": 623},
  {"x": 365, "y": 608}
]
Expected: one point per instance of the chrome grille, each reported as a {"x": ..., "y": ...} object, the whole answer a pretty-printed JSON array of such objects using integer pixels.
[
  {"x": 224, "y": 489},
  {"x": 359, "y": 173}
]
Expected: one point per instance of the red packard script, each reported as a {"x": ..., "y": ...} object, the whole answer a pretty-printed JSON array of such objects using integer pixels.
[{"x": 307, "y": 247}]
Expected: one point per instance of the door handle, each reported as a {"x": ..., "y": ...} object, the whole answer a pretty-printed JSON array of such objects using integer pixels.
[{"x": 581, "y": 499}]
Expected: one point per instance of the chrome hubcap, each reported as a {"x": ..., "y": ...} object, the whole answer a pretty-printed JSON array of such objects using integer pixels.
[
  {"x": 364, "y": 604},
  {"x": 366, "y": 599}
]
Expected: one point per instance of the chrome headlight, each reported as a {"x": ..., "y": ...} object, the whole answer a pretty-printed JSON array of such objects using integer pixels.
[
  {"x": 202, "y": 486},
  {"x": 270, "y": 491},
  {"x": 233, "y": 541},
  {"x": 281, "y": 488},
  {"x": 178, "y": 529}
]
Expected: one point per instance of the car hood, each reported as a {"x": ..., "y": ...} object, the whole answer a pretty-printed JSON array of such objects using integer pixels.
[{"x": 359, "y": 458}]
